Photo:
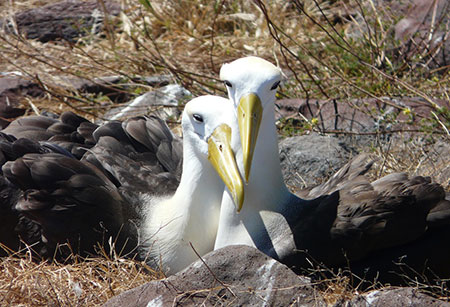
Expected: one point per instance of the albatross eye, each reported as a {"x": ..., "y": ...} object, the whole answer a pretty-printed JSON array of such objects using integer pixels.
[
  {"x": 275, "y": 85},
  {"x": 198, "y": 118},
  {"x": 228, "y": 83}
]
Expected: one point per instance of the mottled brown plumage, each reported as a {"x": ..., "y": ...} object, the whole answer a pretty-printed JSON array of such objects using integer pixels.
[
  {"x": 125, "y": 192},
  {"x": 369, "y": 218},
  {"x": 71, "y": 181}
]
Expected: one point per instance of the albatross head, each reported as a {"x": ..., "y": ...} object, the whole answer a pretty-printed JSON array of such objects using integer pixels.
[
  {"x": 251, "y": 83},
  {"x": 206, "y": 125}
]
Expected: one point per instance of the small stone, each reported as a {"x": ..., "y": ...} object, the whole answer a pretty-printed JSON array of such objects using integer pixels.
[
  {"x": 12, "y": 90},
  {"x": 162, "y": 102},
  {"x": 396, "y": 297}
]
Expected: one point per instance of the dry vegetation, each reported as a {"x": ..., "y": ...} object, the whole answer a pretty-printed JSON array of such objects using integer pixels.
[
  {"x": 82, "y": 282},
  {"x": 327, "y": 49},
  {"x": 319, "y": 45}
]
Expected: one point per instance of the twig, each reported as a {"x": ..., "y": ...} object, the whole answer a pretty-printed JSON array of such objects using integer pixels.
[
  {"x": 212, "y": 273},
  {"x": 380, "y": 132},
  {"x": 385, "y": 157},
  {"x": 440, "y": 123}
]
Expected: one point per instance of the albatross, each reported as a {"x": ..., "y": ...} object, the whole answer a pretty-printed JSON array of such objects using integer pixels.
[
  {"x": 345, "y": 219},
  {"x": 129, "y": 197},
  {"x": 190, "y": 216}
]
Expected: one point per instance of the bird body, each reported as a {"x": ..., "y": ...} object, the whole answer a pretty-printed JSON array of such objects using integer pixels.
[
  {"x": 125, "y": 187},
  {"x": 345, "y": 220},
  {"x": 259, "y": 221},
  {"x": 191, "y": 215},
  {"x": 265, "y": 187}
]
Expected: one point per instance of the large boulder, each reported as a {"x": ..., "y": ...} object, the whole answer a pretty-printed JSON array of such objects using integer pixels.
[
  {"x": 308, "y": 160},
  {"x": 361, "y": 116},
  {"x": 361, "y": 124},
  {"x": 424, "y": 32},
  {"x": 395, "y": 297},
  {"x": 234, "y": 275},
  {"x": 242, "y": 276},
  {"x": 65, "y": 20}
]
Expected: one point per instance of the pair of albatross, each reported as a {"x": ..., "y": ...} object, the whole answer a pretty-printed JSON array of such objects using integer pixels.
[
  {"x": 345, "y": 220},
  {"x": 131, "y": 169}
]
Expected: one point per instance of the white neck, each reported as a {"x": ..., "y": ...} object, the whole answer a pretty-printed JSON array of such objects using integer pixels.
[
  {"x": 265, "y": 191},
  {"x": 199, "y": 192},
  {"x": 190, "y": 216}
]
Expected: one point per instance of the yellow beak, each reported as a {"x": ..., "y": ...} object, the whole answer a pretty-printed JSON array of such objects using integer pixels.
[
  {"x": 223, "y": 160},
  {"x": 249, "y": 119}
]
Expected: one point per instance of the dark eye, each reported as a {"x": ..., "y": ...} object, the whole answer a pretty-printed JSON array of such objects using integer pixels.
[
  {"x": 275, "y": 85},
  {"x": 198, "y": 118},
  {"x": 228, "y": 83}
]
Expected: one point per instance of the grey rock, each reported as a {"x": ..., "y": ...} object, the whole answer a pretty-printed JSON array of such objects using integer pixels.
[
  {"x": 156, "y": 81},
  {"x": 368, "y": 123},
  {"x": 419, "y": 17},
  {"x": 396, "y": 297},
  {"x": 438, "y": 163},
  {"x": 424, "y": 32},
  {"x": 102, "y": 84},
  {"x": 421, "y": 33},
  {"x": 67, "y": 20},
  {"x": 116, "y": 88},
  {"x": 163, "y": 102},
  {"x": 235, "y": 275},
  {"x": 359, "y": 27},
  {"x": 334, "y": 115},
  {"x": 111, "y": 86},
  {"x": 422, "y": 29},
  {"x": 13, "y": 88},
  {"x": 310, "y": 159},
  {"x": 362, "y": 116}
]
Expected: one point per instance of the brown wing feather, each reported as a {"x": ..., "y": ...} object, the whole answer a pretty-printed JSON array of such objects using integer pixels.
[
  {"x": 54, "y": 198},
  {"x": 370, "y": 225},
  {"x": 71, "y": 200}
]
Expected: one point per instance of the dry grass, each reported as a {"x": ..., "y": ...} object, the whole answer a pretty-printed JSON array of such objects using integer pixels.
[
  {"x": 83, "y": 282},
  {"x": 419, "y": 157},
  {"x": 311, "y": 40}
]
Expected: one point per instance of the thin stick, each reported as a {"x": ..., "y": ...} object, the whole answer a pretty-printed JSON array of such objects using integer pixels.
[{"x": 212, "y": 273}]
